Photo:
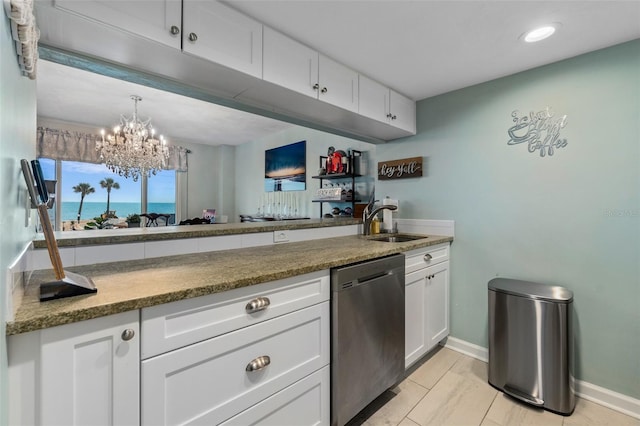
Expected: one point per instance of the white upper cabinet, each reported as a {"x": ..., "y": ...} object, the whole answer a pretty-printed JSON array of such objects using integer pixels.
[
  {"x": 207, "y": 29},
  {"x": 337, "y": 84},
  {"x": 289, "y": 64},
  {"x": 210, "y": 46},
  {"x": 297, "y": 67},
  {"x": 383, "y": 104},
  {"x": 374, "y": 99},
  {"x": 403, "y": 111},
  {"x": 218, "y": 33},
  {"x": 159, "y": 20}
]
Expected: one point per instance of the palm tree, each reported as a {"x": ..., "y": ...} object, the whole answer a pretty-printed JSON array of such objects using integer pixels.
[
  {"x": 109, "y": 184},
  {"x": 84, "y": 189}
]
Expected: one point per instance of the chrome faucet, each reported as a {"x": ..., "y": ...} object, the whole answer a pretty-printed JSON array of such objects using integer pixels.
[{"x": 368, "y": 217}]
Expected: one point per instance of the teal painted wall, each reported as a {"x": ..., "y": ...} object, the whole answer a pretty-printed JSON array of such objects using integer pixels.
[
  {"x": 572, "y": 219},
  {"x": 17, "y": 140}
]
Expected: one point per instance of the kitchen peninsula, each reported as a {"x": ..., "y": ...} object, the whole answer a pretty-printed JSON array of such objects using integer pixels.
[
  {"x": 142, "y": 283},
  {"x": 178, "y": 326}
]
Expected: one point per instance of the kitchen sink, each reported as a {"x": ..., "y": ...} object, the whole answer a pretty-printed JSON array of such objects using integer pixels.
[{"x": 398, "y": 238}]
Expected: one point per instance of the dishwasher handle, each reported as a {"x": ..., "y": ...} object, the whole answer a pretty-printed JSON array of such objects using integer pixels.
[
  {"x": 365, "y": 279},
  {"x": 393, "y": 274}
]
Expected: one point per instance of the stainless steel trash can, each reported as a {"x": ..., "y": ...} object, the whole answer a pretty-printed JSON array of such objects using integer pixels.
[{"x": 531, "y": 343}]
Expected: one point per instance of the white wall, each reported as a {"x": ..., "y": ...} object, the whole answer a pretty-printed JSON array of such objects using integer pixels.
[
  {"x": 249, "y": 170},
  {"x": 17, "y": 140},
  {"x": 203, "y": 181}
]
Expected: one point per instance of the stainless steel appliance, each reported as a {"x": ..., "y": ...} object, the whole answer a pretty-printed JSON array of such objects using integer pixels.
[
  {"x": 367, "y": 333},
  {"x": 531, "y": 343}
]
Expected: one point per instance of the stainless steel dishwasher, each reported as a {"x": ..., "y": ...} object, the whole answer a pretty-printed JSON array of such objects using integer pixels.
[{"x": 367, "y": 333}]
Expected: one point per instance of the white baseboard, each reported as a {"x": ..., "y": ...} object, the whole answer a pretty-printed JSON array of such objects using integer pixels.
[
  {"x": 464, "y": 347},
  {"x": 608, "y": 398},
  {"x": 599, "y": 395}
]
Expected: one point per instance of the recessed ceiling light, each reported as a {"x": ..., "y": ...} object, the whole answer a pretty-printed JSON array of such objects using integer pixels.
[{"x": 539, "y": 33}]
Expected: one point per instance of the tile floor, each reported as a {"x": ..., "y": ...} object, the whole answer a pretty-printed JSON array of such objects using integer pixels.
[{"x": 450, "y": 388}]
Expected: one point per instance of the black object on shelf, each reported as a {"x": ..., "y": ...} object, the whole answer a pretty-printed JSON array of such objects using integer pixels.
[{"x": 353, "y": 167}]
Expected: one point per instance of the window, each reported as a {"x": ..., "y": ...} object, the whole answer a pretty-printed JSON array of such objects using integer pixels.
[
  {"x": 101, "y": 187},
  {"x": 161, "y": 194}
]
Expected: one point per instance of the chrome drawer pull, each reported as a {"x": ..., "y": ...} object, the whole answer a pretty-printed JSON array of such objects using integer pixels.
[
  {"x": 258, "y": 363},
  {"x": 257, "y": 304},
  {"x": 427, "y": 257}
]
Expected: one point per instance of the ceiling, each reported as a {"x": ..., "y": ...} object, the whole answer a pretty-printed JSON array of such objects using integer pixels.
[{"x": 419, "y": 48}]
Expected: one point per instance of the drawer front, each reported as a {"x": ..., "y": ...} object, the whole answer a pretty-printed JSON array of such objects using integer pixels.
[
  {"x": 305, "y": 402},
  {"x": 208, "y": 382},
  {"x": 178, "y": 324},
  {"x": 426, "y": 256}
]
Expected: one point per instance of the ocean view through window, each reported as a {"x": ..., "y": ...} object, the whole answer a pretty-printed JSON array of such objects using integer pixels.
[{"x": 84, "y": 190}]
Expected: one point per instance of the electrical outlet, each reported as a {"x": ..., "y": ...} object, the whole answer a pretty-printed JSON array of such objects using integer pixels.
[{"x": 280, "y": 237}]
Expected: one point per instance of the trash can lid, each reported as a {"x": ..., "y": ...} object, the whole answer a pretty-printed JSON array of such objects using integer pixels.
[{"x": 552, "y": 293}]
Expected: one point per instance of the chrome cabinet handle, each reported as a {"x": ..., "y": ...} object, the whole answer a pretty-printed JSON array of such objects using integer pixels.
[
  {"x": 257, "y": 304},
  {"x": 193, "y": 37},
  {"x": 175, "y": 30},
  {"x": 128, "y": 334},
  {"x": 393, "y": 117},
  {"x": 258, "y": 363},
  {"x": 324, "y": 90},
  {"x": 316, "y": 86},
  {"x": 427, "y": 257},
  {"x": 389, "y": 115}
]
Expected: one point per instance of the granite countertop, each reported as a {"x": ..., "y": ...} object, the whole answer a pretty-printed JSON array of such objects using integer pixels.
[
  {"x": 159, "y": 233},
  {"x": 124, "y": 286}
]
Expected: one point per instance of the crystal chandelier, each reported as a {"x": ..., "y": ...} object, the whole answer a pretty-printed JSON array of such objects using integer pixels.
[{"x": 132, "y": 150}]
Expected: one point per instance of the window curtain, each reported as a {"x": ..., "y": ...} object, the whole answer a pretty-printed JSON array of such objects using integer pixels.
[
  {"x": 77, "y": 146},
  {"x": 26, "y": 34}
]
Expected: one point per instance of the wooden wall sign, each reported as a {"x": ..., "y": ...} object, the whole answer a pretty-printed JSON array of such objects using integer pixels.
[{"x": 400, "y": 169}]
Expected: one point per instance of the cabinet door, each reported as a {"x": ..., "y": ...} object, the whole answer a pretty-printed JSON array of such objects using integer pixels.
[
  {"x": 90, "y": 375},
  {"x": 426, "y": 310},
  {"x": 153, "y": 19},
  {"x": 289, "y": 64},
  {"x": 437, "y": 308},
  {"x": 338, "y": 84},
  {"x": 415, "y": 343},
  {"x": 218, "y": 33},
  {"x": 403, "y": 112},
  {"x": 373, "y": 99}
]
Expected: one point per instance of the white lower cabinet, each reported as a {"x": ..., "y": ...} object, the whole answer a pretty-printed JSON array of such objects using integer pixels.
[
  {"x": 85, "y": 373},
  {"x": 222, "y": 357},
  {"x": 426, "y": 303},
  {"x": 257, "y": 354},
  {"x": 211, "y": 381}
]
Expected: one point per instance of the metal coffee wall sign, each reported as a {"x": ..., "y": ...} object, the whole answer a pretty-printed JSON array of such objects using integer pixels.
[
  {"x": 539, "y": 130},
  {"x": 400, "y": 169}
]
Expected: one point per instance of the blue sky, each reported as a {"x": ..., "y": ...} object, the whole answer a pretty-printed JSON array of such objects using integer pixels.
[{"x": 161, "y": 188}]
